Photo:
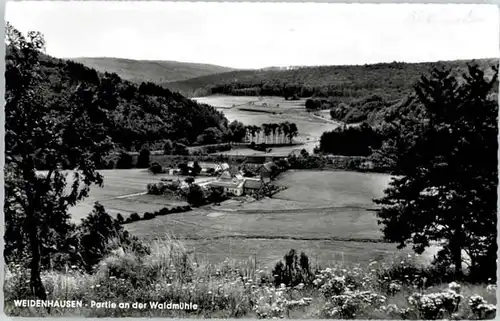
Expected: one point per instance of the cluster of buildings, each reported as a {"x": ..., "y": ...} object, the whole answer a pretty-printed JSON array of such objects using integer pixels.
[{"x": 233, "y": 180}]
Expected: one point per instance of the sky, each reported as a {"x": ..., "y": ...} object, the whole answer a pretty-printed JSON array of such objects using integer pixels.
[{"x": 258, "y": 35}]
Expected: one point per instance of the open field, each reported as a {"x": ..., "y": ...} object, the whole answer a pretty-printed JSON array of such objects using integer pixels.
[
  {"x": 124, "y": 192},
  {"x": 327, "y": 214},
  {"x": 249, "y": 111},
  {"x": 333, "y": 188}
]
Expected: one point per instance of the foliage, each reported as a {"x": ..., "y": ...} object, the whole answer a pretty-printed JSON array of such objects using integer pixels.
[
  {"x": 95, "y": 233},
  {"x": 120, "y": 218},
  {"x": 143, "y": 159},
  {"x": 134, "y": 217},
  {"x": 152, "y": 215},
  {"x": 448, "y": 189},
  {"x": 196, "y": 196},
  {"x": 65, "y": 131},
  {"x": 210, "y": 135},
  {"x": 388, "y": 80},
  {"x": 156, "y": 168},
  {"x": 180, "y": 149},
  {"x": 306, "y": 161},
  {"x": 236, "y": 289},
  {"x": 236, "y": 131},
  {"x": 294, "y": 271},
  {"x": 313, "y": 104},
  {"x": 168, "y": 147},
  {"x": 273, "y": 133},
  {"x": 125, "y": 161},
  {"x": 351, "y": 141},
  {"x": 134, "y": 114}
]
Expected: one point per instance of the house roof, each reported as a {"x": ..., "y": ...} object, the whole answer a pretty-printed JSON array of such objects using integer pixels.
[
  {"x": 253, "y": 184},
  {"x": 255, "y": 159},
  {"x": 268, "y": 166},
  {"x": 229, "y": 184}
]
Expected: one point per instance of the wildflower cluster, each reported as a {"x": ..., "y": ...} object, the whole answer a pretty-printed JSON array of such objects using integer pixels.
[
  {"x": 353, "y": 304},
  {"x": 329, "y": 283},
  {"x": 271, "y": 302},
  {"x": 437, "y": 305},
  {"x": 393, "y": 311},
  {"x": 481, "y": 308}
]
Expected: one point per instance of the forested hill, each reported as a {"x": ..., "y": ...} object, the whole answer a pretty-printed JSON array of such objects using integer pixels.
[
  {"x": 388, "y": 80},
  {"x": 137, "y": 114},
  {"x": 156, "y": 71}
]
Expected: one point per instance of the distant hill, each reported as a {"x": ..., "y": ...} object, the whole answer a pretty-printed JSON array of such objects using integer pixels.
[
  {"x": 388, "y": 80},
  {"x": 157, "y": 71}
]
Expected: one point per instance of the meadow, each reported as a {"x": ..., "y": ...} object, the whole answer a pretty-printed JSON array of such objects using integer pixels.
[
  {"x": 221, "y": 259},
  {"x": 252, "y": 110},
  {"x": 328, "y": 213},
  {"x": 124, "y": 191}
]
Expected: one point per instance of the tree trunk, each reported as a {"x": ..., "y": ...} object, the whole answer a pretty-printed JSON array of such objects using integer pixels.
[
  {"x": 456, "y": 254},
  {"x": 36, "y": 284}
]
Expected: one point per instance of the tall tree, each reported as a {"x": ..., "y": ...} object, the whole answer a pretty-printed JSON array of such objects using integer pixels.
[
  {"x": 266, "y": 128},
  {"x": 143, "y": 159},
  {"x": 286, "y": 130},
  {"x": 292, "y": 132},
  {"x": 274, "y": 128},
  {"x": 279, "y": 129},
  {"x": 64, "y": 132},
  {"x": 257, "y": 132},
  {"x": 448, "y": 190}
]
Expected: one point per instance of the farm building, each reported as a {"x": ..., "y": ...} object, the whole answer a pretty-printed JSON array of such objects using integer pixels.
[
  {"x": 254, "y": 160},
  {"x": 267, "y": 170},
  {"x": 252, "y": 186},
  {"x": 233, "y": 187}
]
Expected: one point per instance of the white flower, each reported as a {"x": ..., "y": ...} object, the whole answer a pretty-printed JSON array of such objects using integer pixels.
[{"x": 454, "y": 286}]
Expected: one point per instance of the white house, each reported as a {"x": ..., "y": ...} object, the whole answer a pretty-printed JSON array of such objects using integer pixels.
[{"x": 233, "y": 187}]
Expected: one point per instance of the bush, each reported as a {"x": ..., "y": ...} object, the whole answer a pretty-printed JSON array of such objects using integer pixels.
[
  {"x": 168, "y": 147},
  {"x": 124, "y": 161},
  {"x": 143, "y": 159},
  {"x": 156, "y": 168},
  {"x": 120, "y": 218},
  {"x": 148, "y": 216},
  {"x": 294, "y": 271},
  {"x": 134, "y": 217},
  {"x": 110, "y": 165}
]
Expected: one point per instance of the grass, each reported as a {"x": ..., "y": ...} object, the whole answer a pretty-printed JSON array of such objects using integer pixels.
[
  {"x": 228, "y": 289},
  {"x": 327, "y": 212},
  {"x": 119, "y": 194},
  {"x": 309, "y": 126},
  {"x": 334, "y": 188},
  {"x": 321, "y": 211}
]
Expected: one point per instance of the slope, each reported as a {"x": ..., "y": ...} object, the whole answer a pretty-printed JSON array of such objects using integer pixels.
[
  {"x": 157, "y": 71},
  {"x": 388, "y": 80},
  {"x": 135, "y": 114}
]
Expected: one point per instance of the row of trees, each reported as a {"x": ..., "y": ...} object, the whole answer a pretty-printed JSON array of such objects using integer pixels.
[{"x": 273, "y": 133}]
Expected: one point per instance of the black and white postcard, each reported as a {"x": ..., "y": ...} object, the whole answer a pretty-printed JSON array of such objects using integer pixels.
[{"x": 250, "y": 160}]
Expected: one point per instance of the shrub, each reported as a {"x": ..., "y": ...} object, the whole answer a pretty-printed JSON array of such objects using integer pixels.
[
  {"x": 148, "y": 216},
  {"x": 156, "y": 168},
  {"x": 143, "y": 159},
  {"x": 120, "y": 218},
  {"x": 124, "y": 161},
  {"x": 110, "y": 165},
  {"x": 134, "y": 217},
  {"x": 294, "y": 271},
  {"x": 168, "y": 147}
]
